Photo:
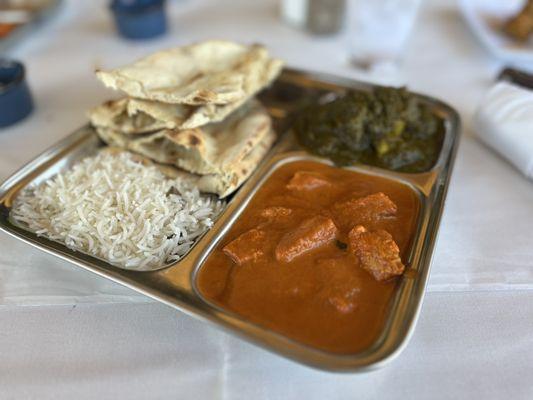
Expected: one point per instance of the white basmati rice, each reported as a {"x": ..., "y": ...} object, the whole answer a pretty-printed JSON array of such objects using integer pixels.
[{"x": 115, "y": 208}]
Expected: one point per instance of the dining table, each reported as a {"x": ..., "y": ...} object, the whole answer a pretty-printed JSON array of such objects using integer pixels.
[{"x": 66, "y": 333}]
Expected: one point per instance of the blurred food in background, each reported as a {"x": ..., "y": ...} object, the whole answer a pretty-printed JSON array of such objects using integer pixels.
[
  {"x": 12, "y": 15},
  {"x": 502, "y": 27},
  {"x": 18, "y": 17},
  {"x": 520, "y": 26}
]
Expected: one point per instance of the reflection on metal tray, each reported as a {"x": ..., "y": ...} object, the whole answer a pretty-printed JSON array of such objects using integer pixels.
[
  {"x": 175, "y": 285},
  {"x": 19, "y": 18}
]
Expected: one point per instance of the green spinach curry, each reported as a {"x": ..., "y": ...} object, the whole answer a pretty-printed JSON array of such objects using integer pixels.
[{"x": 388, "y": 128}]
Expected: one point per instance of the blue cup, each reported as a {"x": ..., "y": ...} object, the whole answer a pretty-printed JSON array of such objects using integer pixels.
[
  {"x": 15, "y": 98},
  {"x": 139, "y": 19}
]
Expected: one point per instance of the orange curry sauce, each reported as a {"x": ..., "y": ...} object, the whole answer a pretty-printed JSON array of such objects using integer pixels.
[{"x": 313, "y": 288}]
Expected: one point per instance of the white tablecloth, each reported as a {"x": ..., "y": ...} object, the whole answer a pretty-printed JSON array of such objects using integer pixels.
[
  {"x": 470, "y": 342},
  {"x": 466, "y": 346}
]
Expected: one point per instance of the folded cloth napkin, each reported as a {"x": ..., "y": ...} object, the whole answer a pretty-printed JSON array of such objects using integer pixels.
[{"x": 504, "y": 121}]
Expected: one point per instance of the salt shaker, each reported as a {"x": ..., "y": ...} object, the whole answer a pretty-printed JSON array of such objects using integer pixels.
[{"x": 321, "y": 17}]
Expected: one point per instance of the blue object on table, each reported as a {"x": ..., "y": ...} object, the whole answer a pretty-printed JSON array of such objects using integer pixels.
[
  {"x": 15, "y": 98},
  {"x": 139, "y": 19}
]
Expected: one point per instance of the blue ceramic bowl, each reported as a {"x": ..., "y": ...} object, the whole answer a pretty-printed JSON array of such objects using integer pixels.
[
  {"x": 15, "y": 98},
  {"x": 139, "y": 19}
]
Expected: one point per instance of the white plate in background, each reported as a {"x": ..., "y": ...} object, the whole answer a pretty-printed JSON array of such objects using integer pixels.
[{"x": 486, "y": 17}]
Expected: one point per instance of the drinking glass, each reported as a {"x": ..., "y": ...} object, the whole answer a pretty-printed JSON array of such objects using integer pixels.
[{"x": 378, "y": 30}]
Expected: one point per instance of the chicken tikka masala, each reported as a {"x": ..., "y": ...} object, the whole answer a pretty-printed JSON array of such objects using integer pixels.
[{"x": 316, "y": 255}]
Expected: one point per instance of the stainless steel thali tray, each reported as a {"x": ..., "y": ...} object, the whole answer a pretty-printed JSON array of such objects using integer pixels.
[{"x": 175, "y": 284}]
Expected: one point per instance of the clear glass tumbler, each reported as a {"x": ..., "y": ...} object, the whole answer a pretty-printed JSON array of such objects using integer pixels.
[{"x": 378, "y": 30}]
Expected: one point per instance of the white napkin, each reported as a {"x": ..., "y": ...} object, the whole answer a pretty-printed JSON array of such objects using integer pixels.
[{"x": 504, "y": 121}]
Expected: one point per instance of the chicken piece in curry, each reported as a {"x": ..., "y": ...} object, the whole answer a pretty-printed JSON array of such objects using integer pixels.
[
  {"x": 376, "y": 252},
  {"x": 312, "y": 233},
  {"x": 315, "y": 255}
]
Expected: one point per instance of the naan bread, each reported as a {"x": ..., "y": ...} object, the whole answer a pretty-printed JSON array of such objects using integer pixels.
[
  {"x": 225, "y": 151},
  {"x": 193, "y": 108},
  {"x": 135, "y": 116},
  {"x": 257, "y": 79},
  {"x": 212, "y": 72},
  {"x": 225, "y": 183},
  {"x": 114, "y": 114}
]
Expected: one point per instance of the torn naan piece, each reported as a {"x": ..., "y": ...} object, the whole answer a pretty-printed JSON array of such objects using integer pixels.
[
  {"x": 113, "y": 114},
  {"x": 134, "y": 116},
  {"x": 257, "y": 79},
  {"x": 211, "y": 149},
  {"x": 216, "y": 147},
  {"x": 225, "y": 183},
  {"x": 211, "y": 72}
]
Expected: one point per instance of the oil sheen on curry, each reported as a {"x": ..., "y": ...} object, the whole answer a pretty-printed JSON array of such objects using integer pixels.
[{"x": 315, "y": 255}]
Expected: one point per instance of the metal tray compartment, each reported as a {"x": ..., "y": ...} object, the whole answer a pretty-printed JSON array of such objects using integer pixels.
[{"x": 174, "y": 285}]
